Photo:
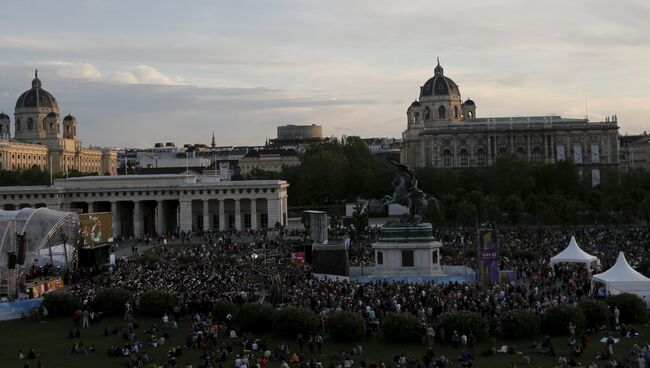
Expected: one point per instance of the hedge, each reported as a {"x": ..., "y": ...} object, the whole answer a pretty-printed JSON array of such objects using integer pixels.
[
  {"x": 346, "y": 326},
  {"x": 60, "y": 304},
  {"x": 111, "y": 301},
  {"x": 254, "y": 317},
  {"x": 555, "y": 320},
  {"x": 401, "y": 327},
  {"x": 290, "y": 322},
  {"x": 596, "y": 313},
  {"x": 465, "y": 323},
  {"x": 155, "y": 303},
  {"x": 632, "y": 307},
  {"x": 517, "y": 324},
  {"x": 222, "y": 308}
]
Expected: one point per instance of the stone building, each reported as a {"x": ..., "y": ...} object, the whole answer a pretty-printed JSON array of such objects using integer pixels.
[
  {"x": 445, "y": 131},
  {"x": 272, "y": 160},
  {"x": 635, "y": 151},
  {"x": 160, "y": 204},
  {"x": 42, "y": 139}
]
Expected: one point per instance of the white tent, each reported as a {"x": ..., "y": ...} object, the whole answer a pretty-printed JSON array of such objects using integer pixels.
[
  {"x": 622, "y": 278},
  {"x": 573, "y": 254}
]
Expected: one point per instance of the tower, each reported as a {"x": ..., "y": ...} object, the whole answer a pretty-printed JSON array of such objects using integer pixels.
[
  {"x": 33, "y": 108},
  {"x": 469, "y": 110},
  {"x": 70, "y": 127},
  {"x": 5, "y": 132}
]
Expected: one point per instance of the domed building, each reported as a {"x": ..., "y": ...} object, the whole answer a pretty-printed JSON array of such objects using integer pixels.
[
  {"x": 39, "y": 140},
  {"x": 442, "y": 130}
]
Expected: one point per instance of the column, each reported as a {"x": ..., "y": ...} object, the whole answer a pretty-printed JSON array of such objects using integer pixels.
[
  {"x": 237, "y": 215},
  {"x": 91, "y": 207},
  {"x": 185, "y": 215},
  {"x": 273, "y": 209},
  {"x": 116, "y": 220},
  {"x": 285, "y": 211},
  {"x": 160, "y": 217},
  {"x": 206, "y": 214},
  {"x": 253, "y": 213},
  {"x": 137, "y": 218},
  {"x": 222, "y": 215}
]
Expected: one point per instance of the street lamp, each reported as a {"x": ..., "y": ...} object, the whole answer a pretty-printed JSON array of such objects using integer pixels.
[{"x": 254, "y": 256}]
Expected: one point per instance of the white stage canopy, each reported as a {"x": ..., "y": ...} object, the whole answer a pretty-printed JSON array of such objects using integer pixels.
[
  {"x": 573, "y": 254},
  {"x": 622, "y": 278}
]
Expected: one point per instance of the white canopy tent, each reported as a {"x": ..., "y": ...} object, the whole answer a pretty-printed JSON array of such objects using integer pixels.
[
  {"x": 622, "y": 278},
  {"x": 573, "y": 254}
]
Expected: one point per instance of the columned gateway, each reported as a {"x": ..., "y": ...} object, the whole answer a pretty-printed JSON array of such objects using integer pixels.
[{"x": 161, "y": 204}]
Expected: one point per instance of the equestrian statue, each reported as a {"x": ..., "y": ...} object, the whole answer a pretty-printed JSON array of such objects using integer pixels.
[{"x": 407, "y": 194}]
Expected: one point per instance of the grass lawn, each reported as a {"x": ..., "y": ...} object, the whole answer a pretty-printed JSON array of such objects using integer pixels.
[{"x": 51, "y": 340}]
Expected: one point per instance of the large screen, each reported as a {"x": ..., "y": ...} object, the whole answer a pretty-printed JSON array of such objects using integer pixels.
[{"x": 96, "y": 228}]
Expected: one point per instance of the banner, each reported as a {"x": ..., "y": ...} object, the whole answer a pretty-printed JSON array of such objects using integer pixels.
[
  {"x": 96, "y": 228},
  {"x": 45, "y": 287},
  {"x": 559, "y": 152},
  {"x": 224, "y": 170},
  {"x": 18, "y": 308},
  {"x": 577, "y": 153},
  {"x": 488, "y": 255},
  {"x": 298, "y": 258}
]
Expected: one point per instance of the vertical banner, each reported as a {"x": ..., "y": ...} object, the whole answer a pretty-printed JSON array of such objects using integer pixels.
[
  {"x": 559, "y": 152},
  {"x": 595, "y": 178},
  {"x": 488, "y": 255},
  {"x": 577, "y": 153},
  {"x": 595, "y": 153},
  {"x": 224, "y": 170}
]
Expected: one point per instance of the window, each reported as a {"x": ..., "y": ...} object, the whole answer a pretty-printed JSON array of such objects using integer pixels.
[
  {"x": 30, "y": 124},
  {"x": 455, "y": 112},
  {"x": 446, "y": 158},
  {"x": 481, "y": 158},
  {"x": 247, "y": 220},
  {"x": 470, "y": 115},
  {"x": 231, "y": 221},
  {"x": 427, "y": 113},
  {"x": 537, "y": 155},
  {"x": 264, "y": 220},
  {"x": 215, "y": 221},
  {"x": 407, "y": 258},
  {"x": 442, "y": 112},
  {"x": 521, "y": 153},
  {"x": 380, "y": 257},
  {"x": 463, "y": 158},
  {"x": 17, "y": 124},
  {"x": 434, "y": 257}
]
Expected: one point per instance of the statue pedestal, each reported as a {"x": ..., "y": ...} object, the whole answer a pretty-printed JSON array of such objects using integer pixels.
[{"x": 407, "y": 251}]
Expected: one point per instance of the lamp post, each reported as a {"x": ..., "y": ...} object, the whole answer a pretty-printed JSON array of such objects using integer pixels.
[{"x": 254, "y": 256}]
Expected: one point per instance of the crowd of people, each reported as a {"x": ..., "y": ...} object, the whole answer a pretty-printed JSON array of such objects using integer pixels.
[{"x": 232, "y": 265}]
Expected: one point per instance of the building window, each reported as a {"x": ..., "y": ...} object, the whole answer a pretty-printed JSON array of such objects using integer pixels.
[
  {"x": 537, "y": 155},
  {"x": 264, "y": 220},
  {"x": 215, "y": 221},
  {"x": 380, "y": 257},
  {"x": 17, "y": 124},
  {"x": 407, "y": 258},
  {"x": 446, "y": 158},
  {"x": 455, "y": 112},
  {"x": 199, "y": 222},
  {"x": 521, "y": 153},
  {"x": 247, "y": 220},
  {"x": 30, "y": 124},
  {"x": 231, "y": 221},
  {"x": 481, "y": 158},
  {"x": 463, "y": 157},
  {"x": 442, "y": 112},
  {"x": 427, "y": 113}
]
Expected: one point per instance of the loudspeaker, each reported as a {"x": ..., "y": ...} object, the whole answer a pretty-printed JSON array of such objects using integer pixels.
[
  {"x": 21, "y": 248},
  {"x": 11, "y": 260}
]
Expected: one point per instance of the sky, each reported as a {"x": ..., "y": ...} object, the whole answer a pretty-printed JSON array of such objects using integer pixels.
[{"x": 138, "y": 72}]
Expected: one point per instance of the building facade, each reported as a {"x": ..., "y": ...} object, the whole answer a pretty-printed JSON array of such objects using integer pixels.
[
  {"x": 268, "y": 160},
  {"x": 635, "y": 151},
  {"x": 161, "y": 204},
  {"x": 42, "y": 139},
  {"x": 445, "y": 131}
]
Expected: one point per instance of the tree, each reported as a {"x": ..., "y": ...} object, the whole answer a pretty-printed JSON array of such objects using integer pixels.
[
  {"x": 360, "y": 217},
  {"x": 514, "y": 208}
]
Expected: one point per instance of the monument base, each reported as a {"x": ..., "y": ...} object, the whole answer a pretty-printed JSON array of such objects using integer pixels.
[{"x": 407, "y": 251}]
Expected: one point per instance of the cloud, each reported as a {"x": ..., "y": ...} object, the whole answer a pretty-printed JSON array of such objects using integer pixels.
[
  {"x": 144, "y": 74},
  {"x": 67, "y": 70}
]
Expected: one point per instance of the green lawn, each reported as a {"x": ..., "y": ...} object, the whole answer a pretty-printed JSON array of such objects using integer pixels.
[{"x": 51, "y": 340}]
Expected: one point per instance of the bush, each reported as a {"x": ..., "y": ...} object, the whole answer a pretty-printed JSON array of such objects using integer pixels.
[
  {"x": 518, "y": 324},
  {"x": 111, "y": 301},
  {"x": 346, "y": 326},
  {"x": 290, "y": 322},
  {"x": 254, "y": 317},
  {"x": 465, "y": 323},
  {"x": 222, "y": 308},
  {"x": 555, "y": 321},
  {"x": 401, "y": 327},
  {"x": 632, "y": 307},
  {"x": 60, "y": 304},
  {"x": 596, "y": 313},
  {"x": 155, "y": 303}
]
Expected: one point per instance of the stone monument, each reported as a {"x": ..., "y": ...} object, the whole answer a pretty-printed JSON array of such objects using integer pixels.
[{"x": 406, "y": 248}]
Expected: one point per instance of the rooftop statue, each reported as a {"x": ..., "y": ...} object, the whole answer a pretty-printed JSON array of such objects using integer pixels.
[{"x": 407, "y": 194}]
